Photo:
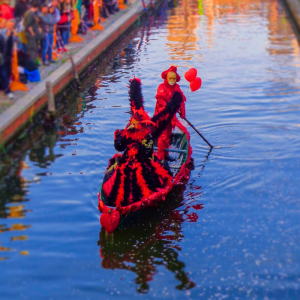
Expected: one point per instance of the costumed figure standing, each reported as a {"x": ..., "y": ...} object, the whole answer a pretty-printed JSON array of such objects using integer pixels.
[
  {"x": 164, "y": 94},
  {"x": 136, "y": 177},
  {"x": 137, "y": 173}
]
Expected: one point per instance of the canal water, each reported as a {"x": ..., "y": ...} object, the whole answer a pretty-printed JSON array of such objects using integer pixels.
[{"x": 234, "y": 232}]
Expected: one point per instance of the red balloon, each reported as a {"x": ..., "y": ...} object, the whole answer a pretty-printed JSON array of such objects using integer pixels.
[
  {"x": 190, "y": 75},
  {"x": 196, "y": 84}
]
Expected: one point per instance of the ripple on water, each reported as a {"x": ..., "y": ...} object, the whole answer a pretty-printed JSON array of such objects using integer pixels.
[{"x": 232, "y": 231}]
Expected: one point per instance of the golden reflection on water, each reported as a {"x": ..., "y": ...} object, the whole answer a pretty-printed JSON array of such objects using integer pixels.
[
  {"x": 182, "y": 25},
  {"x": 14, "y": 227},
  {"x": 281, "y": 36},
  {"x": 186, "y": 16},
  {"x": 183, "y": 44},
  {"x": 4, "y": 248},
  {"x": 15, "y": 211},
  {"x": 14, "y": 205},
  {"x": 3, "y": 258},
  {"x": 19, "y": 238}
]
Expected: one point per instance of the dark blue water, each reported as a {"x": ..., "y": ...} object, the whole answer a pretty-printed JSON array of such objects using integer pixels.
[{"x": 235, "y": 232}]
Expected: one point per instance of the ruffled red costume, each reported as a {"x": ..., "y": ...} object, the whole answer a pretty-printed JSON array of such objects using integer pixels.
[
  {"x": 136, "y": 177},
  {"x": 163, "y": 96}
]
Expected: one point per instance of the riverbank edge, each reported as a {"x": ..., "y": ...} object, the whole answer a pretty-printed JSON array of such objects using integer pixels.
[
  {"x": 294, "y": 8},
  {"x": 20, "y": 113}
]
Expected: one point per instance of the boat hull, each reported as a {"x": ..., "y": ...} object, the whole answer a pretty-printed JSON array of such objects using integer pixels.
[{"x": 180, "y": 148}]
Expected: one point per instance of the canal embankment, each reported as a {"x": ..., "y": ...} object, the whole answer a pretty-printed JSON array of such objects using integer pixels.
[{"x": 15, "y": 117}]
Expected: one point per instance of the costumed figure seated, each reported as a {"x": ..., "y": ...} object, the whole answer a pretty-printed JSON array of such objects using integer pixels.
[
  {"x": 164, "y": 94},
  {"x": 138, "y": 173}
]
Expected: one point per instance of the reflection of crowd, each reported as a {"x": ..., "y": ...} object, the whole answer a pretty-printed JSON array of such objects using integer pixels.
[{"x": 38, "y": 30}]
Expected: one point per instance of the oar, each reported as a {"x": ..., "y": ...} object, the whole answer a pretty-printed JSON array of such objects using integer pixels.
[{"x": 205, "y": 140}]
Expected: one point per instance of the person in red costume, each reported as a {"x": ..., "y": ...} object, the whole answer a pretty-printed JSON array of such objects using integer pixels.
[{"x": 164, "y": 93}]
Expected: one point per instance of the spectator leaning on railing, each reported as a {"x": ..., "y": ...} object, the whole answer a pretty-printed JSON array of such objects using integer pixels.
[
  {"x": 111, "y": 6},
  {"x": 20, "y": 9},
  {"x": 66, "y": 13},
  {"x": 31, "y": 30},
  {"x": 54, "y": 3},
  {"x": 10, "y": 37},
  {"x": 4, "y": 78},
  {"x": 52, "y": 12},
  {"x": 38, "y": 23},
  {"x": 2, "y": 23},
  {"x": 47, "y": 22}
]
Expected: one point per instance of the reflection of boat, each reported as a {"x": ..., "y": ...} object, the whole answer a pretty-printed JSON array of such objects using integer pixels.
[
  {"x": 180, "y": 146},
  {"x": 143, "y": 245}
]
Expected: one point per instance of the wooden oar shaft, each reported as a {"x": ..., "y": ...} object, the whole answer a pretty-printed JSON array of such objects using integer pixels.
[{"x": 205, "y": 140}]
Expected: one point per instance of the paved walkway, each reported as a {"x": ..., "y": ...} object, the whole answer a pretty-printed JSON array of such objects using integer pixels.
[{"x": 72, "y": 48}]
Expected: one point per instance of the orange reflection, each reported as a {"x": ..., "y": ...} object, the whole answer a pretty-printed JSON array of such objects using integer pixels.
[
  {"x": 16, "y": 211},
  {"x": 19, "y": 238},
  {"x": 14, "y": 195},
  {"x": 14, "y": 227},
  {"x": 182, "y": 25},
  {"x": 185, "y": 17},
  {"x": 4, "y": 248},
  {"x": 281, "y": 35}
]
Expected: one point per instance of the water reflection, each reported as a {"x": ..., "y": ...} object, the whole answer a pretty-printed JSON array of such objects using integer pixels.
[
  {"x": 42, "y": 147},
  {"x": 13, "y": 193},
  {"x": 43, "y": 151},
  {"x": 246, "y": 237},
  {"x": 143, "y": 246},
  {"x": 182, "y": 25}
]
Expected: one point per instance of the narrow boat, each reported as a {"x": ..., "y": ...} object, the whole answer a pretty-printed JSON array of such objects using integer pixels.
[{"x": 181, "y": 150}]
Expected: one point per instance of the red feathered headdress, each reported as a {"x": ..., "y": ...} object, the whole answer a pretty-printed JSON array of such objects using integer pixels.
[
  {"x": 135, "y": 94},
  {"x": 140, "y": 124},
  {"x": 171, "y": 69}
]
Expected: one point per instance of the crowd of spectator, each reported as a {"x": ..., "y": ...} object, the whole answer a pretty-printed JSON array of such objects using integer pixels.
[{"x": 36, "y": 30}]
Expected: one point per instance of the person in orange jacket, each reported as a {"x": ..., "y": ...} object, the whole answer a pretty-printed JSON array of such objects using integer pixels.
[{"x": 164, "y": 93}]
